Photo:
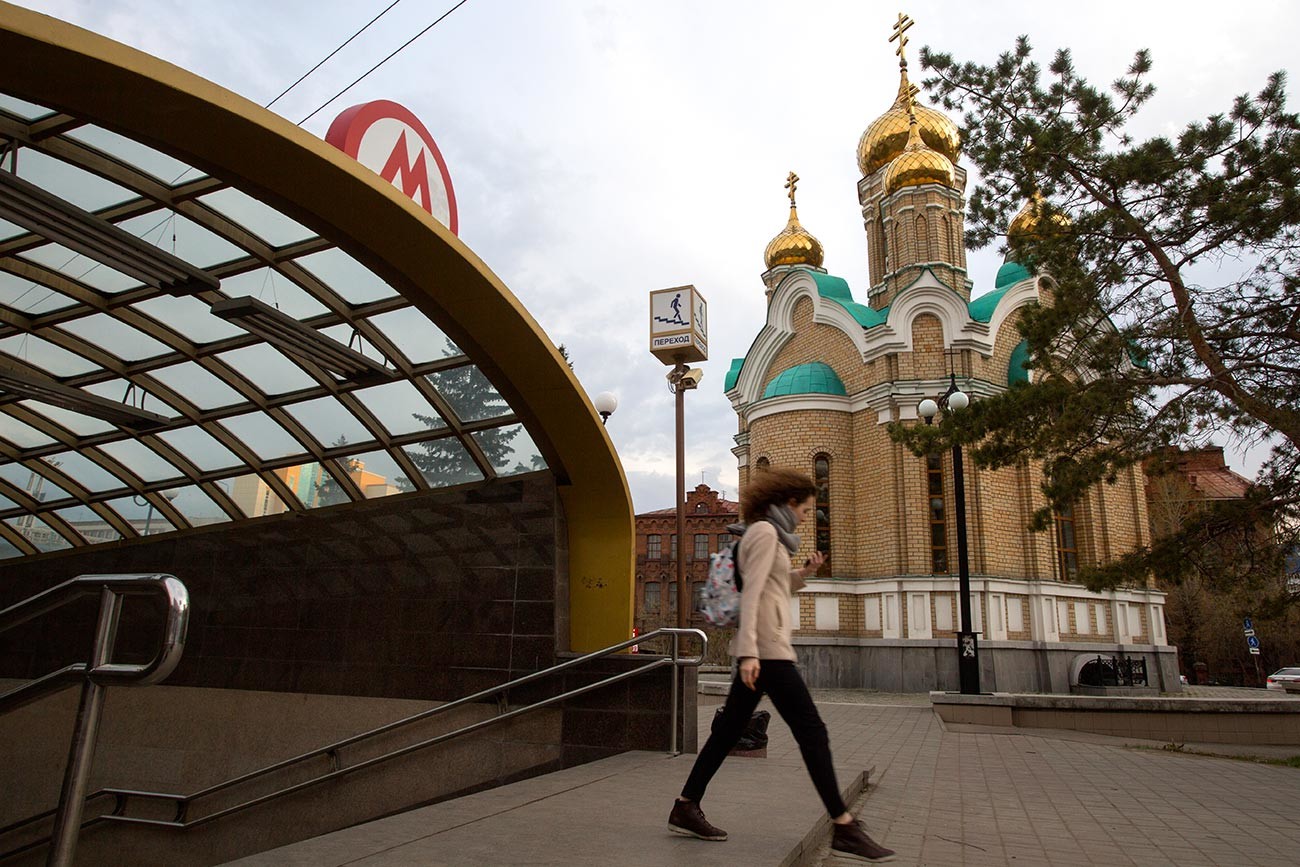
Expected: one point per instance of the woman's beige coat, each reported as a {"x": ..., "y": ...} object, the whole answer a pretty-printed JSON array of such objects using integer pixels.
[{"x": 766, "y": 584}]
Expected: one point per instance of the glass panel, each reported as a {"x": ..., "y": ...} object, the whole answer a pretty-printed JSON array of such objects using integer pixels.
[
  {"x": 271, "y": 287},
  {"x": 182, "y": 237},
  {"x": 511, "y": 450},
  {"x": 197, "y": 385},
  {"x": 81, "y": 268},
  {"x": 22, "y": 108},
  {"x": 937, "y": 535},
  {"x": 89, "y": 525},
  {"x": 443, "y": 462},
  {"x": 330, "y": 422},
  {"x": 115, "y": 337},
  {"x": 28, "y": 296},
  {"x": 257, "y": 217},
  {"x": 120, "y": 390},
  {"x": 84, "y": 189},
  {"x": 7, "y": 549},
  {"x": 400, "y": 407},
  {"x": 349, "y": 337},
  {"x": 188, "y": 317},
  {"x": 201, "y": 448},
  {"x": 131, "y": 152},
  {"x": 38, "y": 533},
  {"x": 141, "y": 460},
  {"x": 197, "y": 507},
  {"x": 40, "y": 488},
  {"x": 53, "y": 359},
  {"x": 85, "y": 472},
  {"x": 6, "y": 503},
  {"x": 375, "y": 473},
  {"x": 254, "y": 497},
  {"x": 9, "y": 230},
  {"x": 310, "y": 482},
  {"x": 470, "y": 394},
  {"x": 263, "y": 435},
  {"x": 418, "y": 338},
  {"x": 141, "y": 514},
  {"x": 354, "y": 283},
  {"x": 267, "y": 368},
  {"x": 81, "y": 425},
  {"x": 22, "y": 434}
]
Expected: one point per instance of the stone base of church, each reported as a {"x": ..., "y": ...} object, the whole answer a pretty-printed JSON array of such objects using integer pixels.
[{"x": 920, "y": 665}]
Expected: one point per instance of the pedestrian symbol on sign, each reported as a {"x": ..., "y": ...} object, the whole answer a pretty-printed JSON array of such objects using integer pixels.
[{"x": 1252, "y": 641}]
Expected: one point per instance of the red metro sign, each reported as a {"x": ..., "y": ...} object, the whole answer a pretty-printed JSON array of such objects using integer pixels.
[{"x": 389, "y": 139}]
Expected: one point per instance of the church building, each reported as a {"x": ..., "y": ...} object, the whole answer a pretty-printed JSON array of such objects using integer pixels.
[{"x": 832, "y": 368}]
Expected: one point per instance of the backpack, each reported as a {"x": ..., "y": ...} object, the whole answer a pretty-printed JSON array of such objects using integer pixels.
[{"x": 720, "y": 599}]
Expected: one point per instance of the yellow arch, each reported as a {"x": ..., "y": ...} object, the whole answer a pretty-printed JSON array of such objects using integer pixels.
[{"x": 90, "y": 77}]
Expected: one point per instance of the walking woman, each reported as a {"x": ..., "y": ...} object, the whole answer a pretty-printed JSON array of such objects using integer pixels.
[{"x": 775, "y": 502}]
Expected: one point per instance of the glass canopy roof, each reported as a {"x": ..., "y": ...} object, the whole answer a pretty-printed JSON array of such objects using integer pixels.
[{"x": 265, "y": 371}]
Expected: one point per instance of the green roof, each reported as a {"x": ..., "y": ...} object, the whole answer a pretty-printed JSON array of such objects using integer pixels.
[
  {"x": 1016, "y": 371},
  {"x": 812, "y": 378},
  {"x": 837, "y": 289},
  {"x": 733, "y": 374},
  {"x": 981, "y": 308},
  {"x": 1009, "y": 273}
]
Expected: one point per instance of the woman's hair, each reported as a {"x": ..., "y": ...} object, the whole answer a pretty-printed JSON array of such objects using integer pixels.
[{"x": 773, "y": 486}]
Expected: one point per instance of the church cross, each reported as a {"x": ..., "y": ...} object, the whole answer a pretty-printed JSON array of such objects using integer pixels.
[
  {"x": 790, "y": 183},
  {"x": 900, "y": 35}
]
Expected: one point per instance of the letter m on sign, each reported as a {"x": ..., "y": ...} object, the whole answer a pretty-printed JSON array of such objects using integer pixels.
[{"x": 414, "y": 176}]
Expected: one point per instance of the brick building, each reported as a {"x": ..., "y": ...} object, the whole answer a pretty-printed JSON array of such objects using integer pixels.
[
  {"x": 827, "y": 374},
  {"x": 707, "y": 517}
]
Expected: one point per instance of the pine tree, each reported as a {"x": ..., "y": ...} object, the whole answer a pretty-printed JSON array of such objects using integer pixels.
[{"x": 1173, "y": 315}]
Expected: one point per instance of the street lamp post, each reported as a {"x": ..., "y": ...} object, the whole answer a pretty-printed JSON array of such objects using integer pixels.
[
  {"x": 682, "y": 379},
  {"x": 606, "y": 402},
  {"x": 968, "y": 660}
]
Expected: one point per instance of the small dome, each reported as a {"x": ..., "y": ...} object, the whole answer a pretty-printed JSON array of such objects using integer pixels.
[
  {"x": 816, "y": 377},
  {"x": 1011, "y": 273},
  {"x": 917, "y": 164},
  {"x": 887, "y": 135},
  {"x": 794, "y": 245},
  {"x": 1026, "y": 222}
]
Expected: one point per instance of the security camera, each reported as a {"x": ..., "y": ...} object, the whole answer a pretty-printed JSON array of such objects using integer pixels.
[{"x": 691, "y": 378}]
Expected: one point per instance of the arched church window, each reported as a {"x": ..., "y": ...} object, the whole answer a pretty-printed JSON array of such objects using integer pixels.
[
  {"x": 896, "y": 261},
  {"x": 1067, "y": 543},
  {"x": 922, "y": 240},
  {"x": 938, "y": 518},
  {"x": 822, "y": 479},
  {"x": 762, "y": 464}
]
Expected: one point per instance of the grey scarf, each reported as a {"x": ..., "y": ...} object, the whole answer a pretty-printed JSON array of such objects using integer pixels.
[{"x": 783, "y": 518}]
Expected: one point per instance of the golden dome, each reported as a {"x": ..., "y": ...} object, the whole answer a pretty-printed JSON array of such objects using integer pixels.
[
  {"x": 917, "y": 164},
  {"x": 794, "y": 245},
  {"x": 887, "y": 135},
  {"x": 1026, "y": 222}
]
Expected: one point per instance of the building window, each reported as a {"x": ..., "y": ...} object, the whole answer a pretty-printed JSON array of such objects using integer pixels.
[
  {"x": 701, "y": 508},
  {"x": 652, "y": 596},
  {"x": 697, "y": 596},
  {"x": 701, "y": 546},
  {"x": 672, "y": 596},
  {"x": 653, "y": 549},
  {"x": 672, "y": 547},
  {"x": 938, "y": 518},
  {"x": 822, "y": 478},
  {"x": 762, "y": 464},
  {"x": 1067, "y": 545},
  {"x": 724, "y": 539}
]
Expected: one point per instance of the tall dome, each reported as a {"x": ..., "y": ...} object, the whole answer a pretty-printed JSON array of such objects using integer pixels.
[
  {"x": 917, "y": 163},
  {"x": 887, "y": 135},
  {"x": 793, "y": 245},
  {"x": 1027, "y": 221}
]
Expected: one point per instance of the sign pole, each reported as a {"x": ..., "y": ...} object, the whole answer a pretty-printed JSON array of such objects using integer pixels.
[{"x": 682, "y": 599}]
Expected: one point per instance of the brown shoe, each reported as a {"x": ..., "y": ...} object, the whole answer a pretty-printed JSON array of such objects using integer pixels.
[
  {"x": 851, "y": 842},
  {"x": 686, "y": 818}
]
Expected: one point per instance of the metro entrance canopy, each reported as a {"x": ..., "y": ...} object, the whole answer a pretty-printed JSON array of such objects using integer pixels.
[{"x": 208, "y": 315}]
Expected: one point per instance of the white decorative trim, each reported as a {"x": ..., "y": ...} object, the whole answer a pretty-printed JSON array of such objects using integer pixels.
[{"x": 797, "y": 403}]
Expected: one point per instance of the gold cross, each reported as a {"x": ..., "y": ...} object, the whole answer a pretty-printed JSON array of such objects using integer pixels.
[
  {"x": 900, "y": 30},
  {"x": 790, "y": 183}
]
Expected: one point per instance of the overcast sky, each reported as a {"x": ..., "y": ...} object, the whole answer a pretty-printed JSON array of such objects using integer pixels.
[{"x": 600, "y": 150}]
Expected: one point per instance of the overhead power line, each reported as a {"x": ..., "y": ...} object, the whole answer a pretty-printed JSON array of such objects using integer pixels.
[
  {"x": 382, "y": 62},
  {"x": 332, "y": 53}
]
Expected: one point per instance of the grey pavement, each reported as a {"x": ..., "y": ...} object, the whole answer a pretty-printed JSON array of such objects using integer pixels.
[{"x": 940, "y": 796}]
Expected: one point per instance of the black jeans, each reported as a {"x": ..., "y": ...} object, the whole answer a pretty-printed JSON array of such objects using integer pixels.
[{"x": 779, "y": 679}]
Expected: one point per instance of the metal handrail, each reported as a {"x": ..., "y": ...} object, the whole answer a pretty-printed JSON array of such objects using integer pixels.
[
  {"x": 96, "y": 675},
  {"x": 183, "y": 802}
]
